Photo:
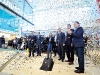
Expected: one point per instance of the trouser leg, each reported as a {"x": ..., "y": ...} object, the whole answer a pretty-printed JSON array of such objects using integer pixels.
[
  {"x": 72, "y": 54},
  {"x": 80, "y": 52}
]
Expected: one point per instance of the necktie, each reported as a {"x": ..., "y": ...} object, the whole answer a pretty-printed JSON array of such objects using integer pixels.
[
  {"x": 38, "y": 36},
  {"x": 59, "y": 34}
]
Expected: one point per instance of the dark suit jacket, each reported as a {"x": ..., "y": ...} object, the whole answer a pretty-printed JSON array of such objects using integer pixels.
[
  {"x": 2, "y": 40},
  {"x": 38, "y": 40},
  {"x": 31, "y": 41},
  {"x": 68, "y": 38},
  {"x": 78, "y": 37},
  {"x": 60, "y": 39},
  {"x": 52, "y": 40}
]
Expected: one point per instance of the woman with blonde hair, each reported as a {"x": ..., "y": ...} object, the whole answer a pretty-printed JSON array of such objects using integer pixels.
[{"x": 50, "y": 43}]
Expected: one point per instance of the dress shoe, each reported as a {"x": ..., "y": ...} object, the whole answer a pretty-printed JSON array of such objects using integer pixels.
[
  {"x": 71, "y": 63},
  {"x": 77, "y": 67},
  {"x": 67, "y": 61},
  {"x": 28, "y": 56},
  {"x": 33, "y": 55},
  {"x": 78, "y": 71},
  {"x": 62, "y": 60}
]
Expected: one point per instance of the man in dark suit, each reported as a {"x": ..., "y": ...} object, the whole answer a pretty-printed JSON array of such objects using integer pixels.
[
  {"x": 38, "y": 43},
  {"x": 60, "y": 42},
  {"x": 31, "y": 44},
  {"x": 69, "y": 46},
  {"x": 78, "y": 45},
  {"x": 2, "y": 41}
]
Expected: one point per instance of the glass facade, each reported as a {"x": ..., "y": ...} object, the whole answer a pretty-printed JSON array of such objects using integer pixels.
[
  {"x": 8, "y": 21},
  {"x": 13, "y": 16}
]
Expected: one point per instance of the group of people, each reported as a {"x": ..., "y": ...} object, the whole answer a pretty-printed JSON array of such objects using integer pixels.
[
  {"x": 62, "y": 43},
  {"x": 72, "y": 41}
]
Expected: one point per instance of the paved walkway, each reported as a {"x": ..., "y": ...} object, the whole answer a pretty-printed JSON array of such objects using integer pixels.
[{"x": 23, "y": 65}]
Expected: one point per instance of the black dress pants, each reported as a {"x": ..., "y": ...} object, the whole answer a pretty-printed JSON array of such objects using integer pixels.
[
  {"x": 31, "y": 51},
  {"x": 70, "y": 53},
  {"x": 61, "y": 52}
]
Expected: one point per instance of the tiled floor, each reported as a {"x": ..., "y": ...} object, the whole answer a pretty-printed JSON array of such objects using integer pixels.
[
  {"x": 23, "y": 65},
  {"x": 5, "y": 56}
]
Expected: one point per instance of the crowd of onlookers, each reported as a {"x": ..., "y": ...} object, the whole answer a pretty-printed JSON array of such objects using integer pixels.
[
  {"x": 22, "y": 43},
  {"x": 60, "y": 44},
  {"x": 69, "y": 42}
]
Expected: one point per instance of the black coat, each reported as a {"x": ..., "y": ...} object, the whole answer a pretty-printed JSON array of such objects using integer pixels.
[
  {"x": 31, "y": 41},
  {"x": 60, "y": 38},
  {"x": 69, "y": 38},
  {"x": 50, "y": 41},
  {"x": 2, "y": 40},
  {"x": 78, "y": 37}
]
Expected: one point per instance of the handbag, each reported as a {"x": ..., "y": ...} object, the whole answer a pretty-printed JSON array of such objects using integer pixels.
[{"x": 27, "y": 50}]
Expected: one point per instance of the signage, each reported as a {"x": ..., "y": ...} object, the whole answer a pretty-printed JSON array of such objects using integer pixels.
[{"x": 13, "y": 7}]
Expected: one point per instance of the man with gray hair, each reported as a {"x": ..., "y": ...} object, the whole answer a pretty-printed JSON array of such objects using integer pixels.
[{"x": 78, "y": 45}]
